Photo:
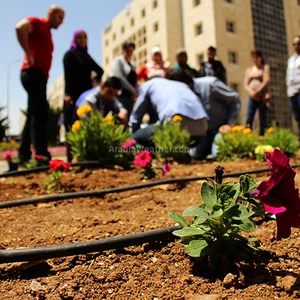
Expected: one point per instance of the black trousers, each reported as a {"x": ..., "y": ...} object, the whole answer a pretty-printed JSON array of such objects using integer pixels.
[{"x": 35, "y": 129}]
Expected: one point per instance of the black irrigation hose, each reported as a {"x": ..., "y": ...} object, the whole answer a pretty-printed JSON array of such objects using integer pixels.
[
  {"x": 101, "y": 193},
  {"x": 87, "y": 164},
  {"x": 30, "y": 254}
]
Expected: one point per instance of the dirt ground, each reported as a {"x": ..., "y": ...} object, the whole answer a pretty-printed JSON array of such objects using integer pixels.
[{"x": 159, "y": 270}]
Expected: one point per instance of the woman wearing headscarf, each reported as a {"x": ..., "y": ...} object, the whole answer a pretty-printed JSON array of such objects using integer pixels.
[
  {"x": 78, "y": 67},
  {"x": 156, "y": 67}
]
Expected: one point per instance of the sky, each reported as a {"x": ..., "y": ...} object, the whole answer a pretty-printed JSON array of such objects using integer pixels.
[{"x": 91, "y": 15}]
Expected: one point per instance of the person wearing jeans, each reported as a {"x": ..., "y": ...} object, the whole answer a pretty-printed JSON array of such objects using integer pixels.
[
  {"x": 35, "y": 82},
  {"x": 293, "y": 81},
  {"x": 34, "y": 36}
]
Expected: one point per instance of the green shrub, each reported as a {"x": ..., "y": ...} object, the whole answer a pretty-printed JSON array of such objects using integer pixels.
[
  {"x": 283, "y": 139},
  {"x": 171, "y": 141},
  {"x": 96, "y": 138},
  {"x": 238, "y": 143}
]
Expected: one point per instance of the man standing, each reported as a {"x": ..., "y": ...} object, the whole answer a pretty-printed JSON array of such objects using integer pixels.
[
  {"x": 34, "y": 36},
  {"x": 293, "y": 81},
  {"x": 181, "y": 57},
  {"x": 213, "y": 67}
]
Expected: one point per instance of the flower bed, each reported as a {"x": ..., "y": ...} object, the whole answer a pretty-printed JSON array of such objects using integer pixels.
[{"x": 157, "y": 270}]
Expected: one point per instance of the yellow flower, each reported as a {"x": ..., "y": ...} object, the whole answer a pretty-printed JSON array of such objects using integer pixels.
[
  {"x": 237, "y": 128},
  {"x": 177, "y": 118},
  {"x": 108, "y": 118},
  {"x": 270, "y": 130},
  {"x": 261, "y": 149},
  {"x": 76, "y": 126},
  {"x": 81, "y": 111},
  {"x": 12, "y": 142},
  {"x": 247, "y": 131},
  {"x": 261, "y": 137}
]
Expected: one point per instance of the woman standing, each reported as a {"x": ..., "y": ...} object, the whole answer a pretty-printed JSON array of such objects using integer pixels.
[
  {"x": 256, "y": 83},
  {"x": 124, "y": 69},
  {"x": 156, "y": 67},
  {"x": 78, "y": 67}
]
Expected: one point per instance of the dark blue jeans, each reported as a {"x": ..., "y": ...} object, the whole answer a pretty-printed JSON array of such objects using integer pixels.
[
  {"x": 252, "y": 107},
  {"x": 35, "y": 128},
  {"x": 295, "y": 106},
  {"x": 143, "y": 135}
]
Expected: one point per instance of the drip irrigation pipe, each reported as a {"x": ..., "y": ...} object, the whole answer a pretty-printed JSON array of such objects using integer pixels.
[
  {"x": 85, "y": 164},
  {"x": 30, "y": 254},
  {"x": 101, "y": 193}
]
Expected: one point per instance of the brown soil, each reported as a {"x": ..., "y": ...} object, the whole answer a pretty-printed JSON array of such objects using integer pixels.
[{"x": 158, "y": 270}]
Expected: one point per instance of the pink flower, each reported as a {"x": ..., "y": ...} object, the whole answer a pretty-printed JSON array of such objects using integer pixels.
[
  {"x": 165, "y": 169},
  {"x": 143, "y": 159},
  {"x": 279, "y": 195},
  {"x": 8, "y": 156},
  {"x": 128, "y": 144},
  {"x": 39, "y": 157}
]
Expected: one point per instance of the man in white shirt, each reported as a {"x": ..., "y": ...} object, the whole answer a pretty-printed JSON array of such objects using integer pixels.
[{"x": 293, "y": 80}]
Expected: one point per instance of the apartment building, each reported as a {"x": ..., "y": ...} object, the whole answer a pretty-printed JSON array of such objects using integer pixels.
[
  {"x": 234, "y": 27},
  {"x": 147, "y": 23}
]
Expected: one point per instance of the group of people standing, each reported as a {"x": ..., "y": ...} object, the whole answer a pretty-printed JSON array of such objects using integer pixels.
[{"x": 203, "y": 99}]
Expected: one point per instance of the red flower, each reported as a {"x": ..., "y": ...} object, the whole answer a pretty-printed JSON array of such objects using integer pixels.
[
  {"x": 279, "y": 195},
  {"x": 59, "y": 165},
  {"x": 143, "y": 159},
  {"x": 8, "y": 156}
]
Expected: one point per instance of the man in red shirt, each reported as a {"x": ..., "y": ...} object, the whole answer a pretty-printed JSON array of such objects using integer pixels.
[{"x": 34, "y": 36}]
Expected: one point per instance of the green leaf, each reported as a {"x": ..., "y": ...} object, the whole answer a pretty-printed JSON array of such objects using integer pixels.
[
  {"x": 217, "y": 214},
  {"x": 246, "y": 225},
  {"x": 239, "y": 212},
  {"x": 198, "y": 248},
  {"x": 194, "y": 211},
  {"x": 253, "y": 239},
  {"x": 177, "y": 218},
  {"x": 188, "y": 231},
  {"x": 208, "y": 194}
]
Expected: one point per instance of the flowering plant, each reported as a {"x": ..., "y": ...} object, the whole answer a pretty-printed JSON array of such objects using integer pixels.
[
  {"x": 12, "y": 162},
  {"x": 278, "y": 194},
  {"x": 238, "y": 143},
  {"x": 57, "y": 167},
  {"x": 171, "y": 141},
  {"x": 214, "y": 232},
  {"x": 144, "y": 160},
  {"x": 96, "y": 138},
  {"x": 281, "y": 138}
]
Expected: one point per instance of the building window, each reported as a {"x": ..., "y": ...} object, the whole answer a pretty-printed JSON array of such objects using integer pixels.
[
  {"x": 143, "y": 13},
  {"x": 132, "y": 21},
  {"x": 197, "y": 2},
  {"x": 198, "y": 29},
  {"x": 155, "y": 27},
  {"x": 298, "y": 2},
  {"x": 228, "y": 1},
  {"x": 154, "y": 4},
  {"x": 232, "y": 57},
  {"x": 234, "y": 87},
  {"x": 107, "y": 60},
  {"x": 114, "y": 37},
  {"x": 122, "y": 29},
  {"x": 200, "y": 58},
  {"x": 230, "y": 27},
  {"x": 106, "y": 43}
]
